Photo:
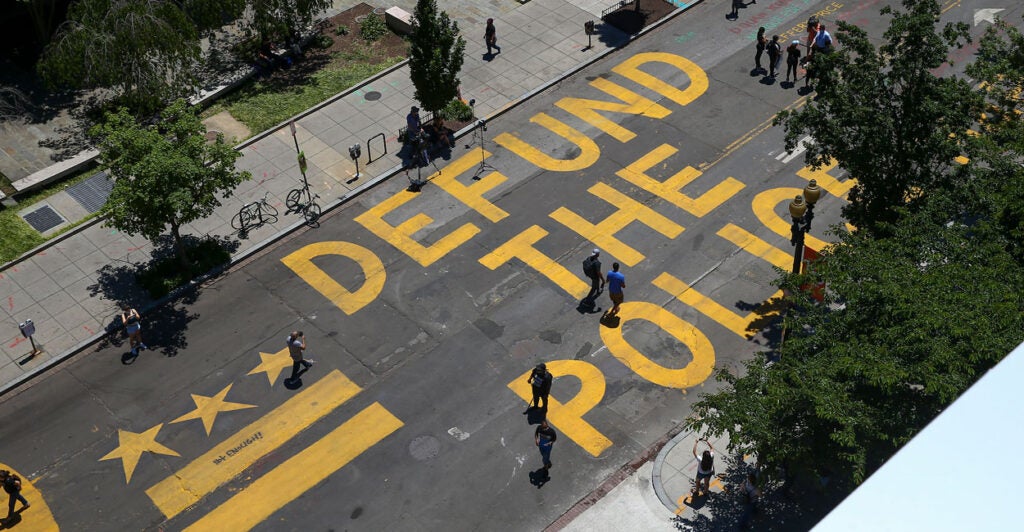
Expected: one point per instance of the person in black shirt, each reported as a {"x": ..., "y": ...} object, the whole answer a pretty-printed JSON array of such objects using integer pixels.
[
  {"x": 545, "y": 438},
  {"x": 540, "y": 380},
  {"x": 12, "y": 485}
]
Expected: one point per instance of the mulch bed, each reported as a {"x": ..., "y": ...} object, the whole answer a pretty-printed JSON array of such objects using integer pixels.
[
  {"x": 315, "y": 58},
  {"x": 630, "y": 20}
]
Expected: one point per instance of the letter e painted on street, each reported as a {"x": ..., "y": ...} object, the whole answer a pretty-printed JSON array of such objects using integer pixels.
[
  {"x": 702, "y": 352},
  {"x": 301, "y": 262},
  {"x": 671, "y": 189},
  {"x": 727, "y": 318},
  {"x": 401, "y": 235},
  {"x": 568, "y": 416}
]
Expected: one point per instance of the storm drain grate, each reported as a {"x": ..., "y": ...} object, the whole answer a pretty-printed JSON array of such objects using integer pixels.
[
  {"x": 93, "y": 192},
  {"x": 43, "y": 219}
]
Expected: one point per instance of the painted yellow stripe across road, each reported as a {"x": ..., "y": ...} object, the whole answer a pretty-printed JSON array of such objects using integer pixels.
[
  {"x": 295, "y": 476},
  {"x": 240, "y": 451}
]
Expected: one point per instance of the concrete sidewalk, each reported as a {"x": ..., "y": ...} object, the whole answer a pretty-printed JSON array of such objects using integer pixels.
[{"x": 73, "y": 286}]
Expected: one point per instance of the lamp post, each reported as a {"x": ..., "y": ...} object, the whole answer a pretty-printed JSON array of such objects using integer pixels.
[{"x": 802, "y": 211}]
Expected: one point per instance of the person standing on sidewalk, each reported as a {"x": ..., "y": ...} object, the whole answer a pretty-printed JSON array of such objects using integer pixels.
[
  {"x": 296, "y": 346},
  {"x": 774, "y": 55},
  {"x": 131, "y": 320},
  {"x": 792, "y": 59},
  {"x": 544, "y": 437},
  {"x": 12, "y": 485},
  {"x": 491, "y": 37},
  {"x": 540, "y": 381},
  {"x": 751, "y": 495},
  {"x": 762, "y": 42},
  {"x": 592, "y": 269},
  {"x": 616, "y": 282},
  {"x": 705, "y": 468}
]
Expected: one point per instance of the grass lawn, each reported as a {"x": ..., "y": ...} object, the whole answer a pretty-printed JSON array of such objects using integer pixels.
[
  {"x": 264, "y": 103},
  {"x": 17, "y": 236}
]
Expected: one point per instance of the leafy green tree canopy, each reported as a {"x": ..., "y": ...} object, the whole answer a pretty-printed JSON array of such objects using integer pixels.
[
  {"x": 435, "y": 56},
  {"x": 283, "y": 21},
  {"x": 883, "y": 113},
  {"x": 143, "y": 50},
  {"x": 167, "y": 175}
]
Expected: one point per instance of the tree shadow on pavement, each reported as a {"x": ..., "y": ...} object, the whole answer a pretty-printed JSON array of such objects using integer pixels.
[{"x": 796, "y": 505}]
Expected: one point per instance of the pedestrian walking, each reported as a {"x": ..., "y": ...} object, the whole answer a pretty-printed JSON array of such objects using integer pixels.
[
  {"x": 736, "y": 4},
  {"x": 132, "y": 322},
  {"x": 592, "y": 269},
  {"x": 751, "y": 495},
  {"x": 491, "y": 37},
  {"x": 762, "y": 42},
  {"x": 296, "y": 347},
  {"x": 540, "y": 380},
  {"x": 544, "y": 437},
  {"x": 822, "y": 40},
  {"x": 12, "y": 485},
  {"x": 774, "y": 55},
  {"x": 792, "y": 59},
  {"x": 705, "y": 468},
  {"x": 616, "y": 282}
]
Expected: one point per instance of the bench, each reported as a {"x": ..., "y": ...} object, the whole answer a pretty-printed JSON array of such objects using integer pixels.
[
  {"x": 398, "y": 20},
  {"x": 55, "y": 171}
]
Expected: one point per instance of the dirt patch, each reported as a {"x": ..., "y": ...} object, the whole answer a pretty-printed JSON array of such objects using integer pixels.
[
  {"x": 347, "y": 47},
  {"x": 631, "y": 20}
]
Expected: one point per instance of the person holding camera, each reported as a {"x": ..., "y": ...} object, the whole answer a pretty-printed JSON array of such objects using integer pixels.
[{"x": 296, "y": 346}]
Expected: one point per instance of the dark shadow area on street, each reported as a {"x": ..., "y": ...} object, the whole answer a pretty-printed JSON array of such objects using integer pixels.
[
  {"x": 535, "y": 415},
  {"x": 612, "y": 322},
  {"x": 539, "y": 477}
]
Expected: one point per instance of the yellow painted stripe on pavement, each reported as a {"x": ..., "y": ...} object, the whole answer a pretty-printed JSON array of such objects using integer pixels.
[
  {"x": 295, "y": 476},
  {"x": 238, "y": 452}
]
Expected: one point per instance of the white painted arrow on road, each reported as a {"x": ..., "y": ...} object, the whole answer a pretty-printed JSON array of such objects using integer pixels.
[{"x": 986, "y": 15}]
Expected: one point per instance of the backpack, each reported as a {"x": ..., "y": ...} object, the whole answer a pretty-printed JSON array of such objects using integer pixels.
[
  {"x": 11, "y": 483},
  {"x": 591, "y": 267}
]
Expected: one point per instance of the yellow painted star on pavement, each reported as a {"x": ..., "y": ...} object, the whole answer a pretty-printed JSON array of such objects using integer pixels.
[
  {"x": 272, "y": 364},
  {"x": 131, "y": 445},
  {"x": 207, "y": 408}
]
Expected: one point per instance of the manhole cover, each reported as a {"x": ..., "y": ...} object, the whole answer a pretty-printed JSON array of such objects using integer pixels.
[
  {"x": 424, "y": 447},
  {"x": 371, "y": 96},
  {"x": 93, "y": 192},
  {"x": 43, "y": 219}
]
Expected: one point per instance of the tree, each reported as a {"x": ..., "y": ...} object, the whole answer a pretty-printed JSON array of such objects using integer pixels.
[
  {"x": 909, "y": 322},
  {"x": 884, "y": 116},
  {"x": 435, "y": 56},
  {"x": 143, "y": 50},
  {"x": 284, "y": 20},
  {"x": 166, "y": 175}
]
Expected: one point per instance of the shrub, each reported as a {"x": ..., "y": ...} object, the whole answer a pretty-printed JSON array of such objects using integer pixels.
[
  {"x": 341, "y": 30},
  {"x": 323, "y": 41},
  {"x": 457, "y": 111},
  {"x": 372, "y": 27}
]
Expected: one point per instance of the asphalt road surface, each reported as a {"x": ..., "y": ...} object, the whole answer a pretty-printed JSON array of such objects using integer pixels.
[{"x": 425, "y": 312}]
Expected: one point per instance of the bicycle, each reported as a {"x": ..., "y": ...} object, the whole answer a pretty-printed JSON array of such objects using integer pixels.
[
  {"x": 254, "y": 214},
  {"x": 311, "y": 211}
]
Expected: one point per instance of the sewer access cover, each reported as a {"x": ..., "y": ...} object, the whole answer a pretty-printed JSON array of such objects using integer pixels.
[
  {"x": 424, "y": 447},
  {"x": 372, "y": 96},
  {"x": 43, "y": 219}
]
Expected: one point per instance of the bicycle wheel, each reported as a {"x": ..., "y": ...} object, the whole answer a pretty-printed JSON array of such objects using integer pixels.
[
  {"x": 312, "y": 213},
  {"x": 269, "y": 209},
  {"x": 242, "y": 220},
  {"x": 236, "y": 222},
  {"x": 291, "y": 201}
]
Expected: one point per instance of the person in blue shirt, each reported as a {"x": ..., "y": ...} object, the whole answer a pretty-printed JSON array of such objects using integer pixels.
[{"x": 616, "y": 282}]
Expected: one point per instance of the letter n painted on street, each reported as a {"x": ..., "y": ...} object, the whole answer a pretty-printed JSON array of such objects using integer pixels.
[
  {"x": 589, "y": 152},
  {"x": 702, "y": 353},
  {"x": 301, "y": 262},
  {"x": 633, "y": 103},
  {"x": 568, "y": 417}
]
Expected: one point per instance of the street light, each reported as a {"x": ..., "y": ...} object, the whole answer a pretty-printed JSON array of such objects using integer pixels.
[{"x": 802, "y": 211}]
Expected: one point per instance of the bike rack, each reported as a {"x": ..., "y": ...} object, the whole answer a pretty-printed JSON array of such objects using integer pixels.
[{"x": 369, "y": 156}]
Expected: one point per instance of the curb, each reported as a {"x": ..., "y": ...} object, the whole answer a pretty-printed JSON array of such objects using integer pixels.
[
  {"x": 659, "y": 463},
  {"x": 256, "y": 248}
]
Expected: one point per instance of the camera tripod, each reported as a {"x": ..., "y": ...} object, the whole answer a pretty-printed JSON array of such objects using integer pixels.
[{"x": 478, "y": 136}]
